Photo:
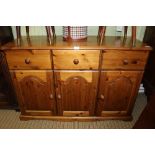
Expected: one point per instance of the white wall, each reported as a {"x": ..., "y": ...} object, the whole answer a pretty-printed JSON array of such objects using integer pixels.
[{"x": 92, "y": 30}]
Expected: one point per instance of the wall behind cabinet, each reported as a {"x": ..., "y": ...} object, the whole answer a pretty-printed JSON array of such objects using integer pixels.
[{"x": 92, "y": 30}]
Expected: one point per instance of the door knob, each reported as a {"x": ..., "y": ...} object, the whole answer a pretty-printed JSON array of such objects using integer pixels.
[
  {"x": 51, "y": 96},
  {"x": 27, "y": 61},
  {"x": 75, "y": 61},
  {"x": 102, "y": 97},
  {"x": 125, "y": 62},
  {"x": 59, "y": 96}
]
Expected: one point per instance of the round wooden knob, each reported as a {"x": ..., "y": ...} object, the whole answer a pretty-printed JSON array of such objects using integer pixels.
[
  {"x": 102, "y": 96},
  {"x": 59, "y": 96},
  {"x": 51, "y": 96},
  {"x": 125, "y": 62},
  {"x": 27, "y": 61},
  {"x": 75, "y": 61}
]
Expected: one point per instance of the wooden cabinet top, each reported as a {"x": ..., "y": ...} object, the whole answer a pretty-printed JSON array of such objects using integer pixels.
[{"x": 110, "y": 42}]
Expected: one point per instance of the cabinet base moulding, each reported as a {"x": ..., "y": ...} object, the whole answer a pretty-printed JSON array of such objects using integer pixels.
[{"x": 69, "y": 119}]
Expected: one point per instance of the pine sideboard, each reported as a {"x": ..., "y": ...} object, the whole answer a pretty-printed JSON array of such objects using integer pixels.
[{"x": 76, "y": 80}]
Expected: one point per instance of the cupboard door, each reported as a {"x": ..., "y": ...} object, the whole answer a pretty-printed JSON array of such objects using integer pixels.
[
  {"x": 35, "y": 92},
  {"x": 76, "y": 92},
  {"x": 117, "y": 92}
]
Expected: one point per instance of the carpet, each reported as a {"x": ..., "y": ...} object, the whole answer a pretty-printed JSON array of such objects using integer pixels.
[{"x": 9, "y": 119}]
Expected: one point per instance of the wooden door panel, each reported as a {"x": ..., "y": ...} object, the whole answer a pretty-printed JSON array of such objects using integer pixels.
[
  {"x": 76, "y": 92},
  {"x": 117, "y": 92},
  {"x": 35, "y": 92}
]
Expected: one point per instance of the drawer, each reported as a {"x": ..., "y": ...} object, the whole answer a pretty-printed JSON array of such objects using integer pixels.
[
  {"x": 76, "y": 59},
  {"x": 125, "y": 60},
  {"x": 28, "y": 59}
]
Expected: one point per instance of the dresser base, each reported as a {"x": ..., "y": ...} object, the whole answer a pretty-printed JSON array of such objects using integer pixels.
[{"x": 69, "y": 119}]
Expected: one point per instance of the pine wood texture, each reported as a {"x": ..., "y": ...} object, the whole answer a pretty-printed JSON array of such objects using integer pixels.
[
  {"x": 76, "y": 80},
  {"x": 35, "y": 92},
  {"x": 109, "y": 42},
  {"x": 76, "y": 59},
  {"x": 125, "y": 60},
  {"x": 28, "y": 59},
  {"x": 76, "y": 93},
  {"x": 117, "y": 92}
]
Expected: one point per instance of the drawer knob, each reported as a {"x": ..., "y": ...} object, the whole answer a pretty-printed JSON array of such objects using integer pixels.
[
  {"x": 102, "y": 97},
  {"x": 59, "y": 96},
  {"x": 125, "y": 62},
  {"x": 27, "y": 61},
  {"x": 51, "y": 96},
  {"x": 75, "y": 61}
]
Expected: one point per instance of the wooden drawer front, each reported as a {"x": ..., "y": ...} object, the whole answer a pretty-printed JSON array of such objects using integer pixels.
[
  {"x": 76, "y": 59},
  {"x": 124, "y": 60},
  {"x": 28, "y": 59}
]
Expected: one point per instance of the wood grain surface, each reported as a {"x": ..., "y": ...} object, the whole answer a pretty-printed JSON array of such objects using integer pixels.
[
  {"x": 28, "y": 59},
  {"x": 76, "y": 80}
]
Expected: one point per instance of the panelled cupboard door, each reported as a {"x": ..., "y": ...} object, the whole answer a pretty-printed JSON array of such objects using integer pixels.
[
  {"x": 76, "y": 92},
  {"x": 35, "y": 92},
  {"x": 117, "y": 92}
]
